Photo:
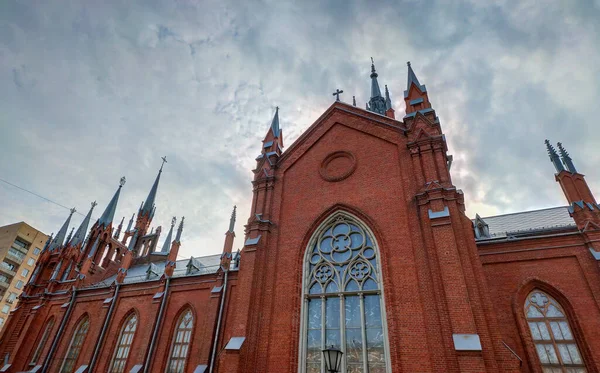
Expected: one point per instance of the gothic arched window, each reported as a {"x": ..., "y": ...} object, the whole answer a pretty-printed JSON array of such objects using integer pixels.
[
  {"x": 552, "y": 335},
  {"x": 343, "y": 301},
  {"x": 75, "y": 345},
  {"x": 40, "y": 347},
  {"x": 181, "y": 343},
  {"x": 124, "y": 345}
]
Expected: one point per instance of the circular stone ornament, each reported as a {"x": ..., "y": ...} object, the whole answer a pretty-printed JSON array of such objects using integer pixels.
[{"x": 337, "y": 166}]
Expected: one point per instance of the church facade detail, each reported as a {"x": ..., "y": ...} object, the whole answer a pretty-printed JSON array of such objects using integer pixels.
[{"x": 357, "y": 239}]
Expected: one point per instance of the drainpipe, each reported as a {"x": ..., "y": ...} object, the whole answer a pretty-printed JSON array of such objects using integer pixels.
[
  {"x": 59, "y": 333},
  {"x": 157, "y": 326},
  {"x": 216, "y": 341},
  {"x": 104, "y": 327}
]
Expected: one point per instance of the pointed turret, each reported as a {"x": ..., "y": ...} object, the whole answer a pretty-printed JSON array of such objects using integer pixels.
[
  {"x": 83, "y": 227},
  {"x": 179, "y": 230},
  {"x": 119, "y": 228},
  {"x": 70, "y": 235},
  {"x": 415, "y": 96},
  {"x": 148, "y": 205},
  {"x": 377, "y": 102},
  {"x": 389, "y": 111},
  {"x": 232, "y": 220},
  {"x": 59, "y": 239},
  {"x": 130, "y": 223},
  {"x": 275, "y": 123},
  {"x": 109, "y": 214},
  {"x": 554, "y": 157},
  {"x": 172, "y": 256},
  {"x": 566, "y": 159},
  {"x": 229, "y": 237},
  {"x": 167, "y": 244}
]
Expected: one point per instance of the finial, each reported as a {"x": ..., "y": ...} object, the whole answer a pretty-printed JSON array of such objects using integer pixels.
[
  {"x": 337, "y": 93},
  {"x": 164, "y": 160},
  {"x": 73, "y": 210},
  {"x": 180, "y": 229},
  {"x": 554, "y": 157},
  {"x": 122, "y": 181},
  {"x": 232, "y": 219},
  {"x": 408, "y": 63},
  {"x": 173, "y": 221},
  {"x": 94, "y": 204},
  {"x": 354, "y": 100},
  {"x": 566, "y": 159},
  {"x": 373, "y": 68}
]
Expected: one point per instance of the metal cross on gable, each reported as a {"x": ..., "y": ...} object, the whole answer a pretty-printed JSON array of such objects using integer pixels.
[
  {"x": 164, "y": 160},
  {"x": 337, "y": 93}
]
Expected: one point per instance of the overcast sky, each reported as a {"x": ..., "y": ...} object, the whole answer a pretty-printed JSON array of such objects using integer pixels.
[{"x": 94, "y": 90}]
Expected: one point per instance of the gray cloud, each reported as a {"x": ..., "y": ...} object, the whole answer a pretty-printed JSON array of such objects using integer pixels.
[{"x": 91, "y": 92}]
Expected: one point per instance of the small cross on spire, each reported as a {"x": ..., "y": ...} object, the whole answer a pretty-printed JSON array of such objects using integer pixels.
[
  {"x": 337, "y": 93},
  {"x": 164, "y": 160}
]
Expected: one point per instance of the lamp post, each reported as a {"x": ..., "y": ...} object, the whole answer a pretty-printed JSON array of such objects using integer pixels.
[{"x": 333, "y": 359}]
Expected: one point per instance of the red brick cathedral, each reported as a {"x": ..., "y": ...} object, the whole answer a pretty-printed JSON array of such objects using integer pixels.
[{"x": 357, "y": 239}]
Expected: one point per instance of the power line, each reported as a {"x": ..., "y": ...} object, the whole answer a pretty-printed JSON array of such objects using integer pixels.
[{"x": 37, "y": 195}]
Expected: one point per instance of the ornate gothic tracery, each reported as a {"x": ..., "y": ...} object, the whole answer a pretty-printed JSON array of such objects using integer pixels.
[{"x": 343, "y": 298}]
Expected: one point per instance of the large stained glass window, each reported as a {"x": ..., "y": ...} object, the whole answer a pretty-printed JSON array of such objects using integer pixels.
[
  {"x": 124, "y": 345},
  {"x": 75, "y": 346},
  {"x": 181, "y": 343},
  {"x": 343, "y": 299},
  {"x": 554, "y": 341}
]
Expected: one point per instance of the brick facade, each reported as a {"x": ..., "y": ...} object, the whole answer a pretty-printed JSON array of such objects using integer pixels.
[{"x": 439, "y": 282}]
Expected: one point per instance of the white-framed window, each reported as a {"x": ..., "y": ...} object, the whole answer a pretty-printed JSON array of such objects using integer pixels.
[
  {"x": 180, "y": 344},
  {"x": 124, "y": 345},
  {"x": 19, "y": 284},
  {"x": 36, "y": 251},
  {"x": 11, "y": 297},
  {"x": 74, "y": 349},
  {"x": 552, "y": 335},
  {"x": 24, "y": 272},
  {"x": 30, "y": 261},
  {"x": 343, "y": 304},
  {"x": 5, "y": 308}
]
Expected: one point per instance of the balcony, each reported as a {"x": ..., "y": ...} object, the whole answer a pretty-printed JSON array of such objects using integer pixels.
[
  {"x": 5, "y": 269},
  {"x": 15, "y": 256},
  {"x": 4, "y": 285}
]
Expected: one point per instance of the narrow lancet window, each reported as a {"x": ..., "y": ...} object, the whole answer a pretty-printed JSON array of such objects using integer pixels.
[
  {"x": 40, "y": 347},
  {"x": 75, "y": 345},
  {"x": 343, "y": 303},
  {"x": 552, "y": 335},
  {"x": 181, "y": 343},
  {"x": 124, "y": 345}
]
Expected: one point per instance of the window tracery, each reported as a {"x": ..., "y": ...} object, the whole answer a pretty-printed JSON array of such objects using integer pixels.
[
  {"x": 343, "y": 299},
  {"x": 555, "y": 344},
  {"x": 124, "y": 345},
  {"x": 181, "y": 343},
  {"x": 74, "y": 349}
]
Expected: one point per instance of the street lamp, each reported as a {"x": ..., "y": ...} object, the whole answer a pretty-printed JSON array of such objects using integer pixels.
[{"x": 333, "y": 359}]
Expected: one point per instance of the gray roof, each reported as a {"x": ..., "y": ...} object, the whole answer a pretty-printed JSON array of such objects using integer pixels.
[
  {"x": 138, "y": 273},
  {"x": 527, "y": 221}
]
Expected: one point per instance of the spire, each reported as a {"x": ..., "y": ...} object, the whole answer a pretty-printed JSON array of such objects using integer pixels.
[
  {"x": 108, "y": 215},
  {"x": 412, "y": 78},
  {"x": 148, "y": 205},
  {"x": 167, "y": 244},
  {"x": 388, "y": 100},
  {"x": 118, "y": 232},
  {"x": 566, "y": 159},
  {"x": 180, "y": 230},
  {"x": 377, "y": 102},
  {"x": 70, "y": 235},
  {"x": 275, "y": 123},
  {"x": 47, "y": 244},
  {"x": 232, "y": 220},
  {"x": 83, "y": 227},
  {"x": 375, "y": 91},
  {"x": 554, "y": 157},
  {"x": 130, "y": 223},
  {"x": 59, "y": 239}
]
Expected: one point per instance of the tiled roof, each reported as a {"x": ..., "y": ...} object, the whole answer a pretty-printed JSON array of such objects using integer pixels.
[
  {"x": 209, "y": 264},
  {"x": 522, "y": 222}
]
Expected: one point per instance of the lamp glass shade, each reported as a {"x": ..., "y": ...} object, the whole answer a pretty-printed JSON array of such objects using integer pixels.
[{"x": 333, "y": 359}]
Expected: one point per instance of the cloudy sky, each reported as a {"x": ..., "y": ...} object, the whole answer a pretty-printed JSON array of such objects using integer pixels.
[{"x": 94, "y": 90}]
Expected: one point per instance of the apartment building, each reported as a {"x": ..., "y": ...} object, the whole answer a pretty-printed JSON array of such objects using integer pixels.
[{"x": 20, "y": 246}]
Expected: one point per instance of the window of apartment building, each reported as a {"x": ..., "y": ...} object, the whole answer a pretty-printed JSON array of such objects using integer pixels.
[
  {"x": 1, "y": 321},
  {"x": 14, "y": 252},
  {"x": 24, "y": 272},
  {"x": 36, "y": 251},
  {"x": 4, "y": 279},
  {"x": 9, "y": 266},
  {"x": 11, "y": 297},
  {"x": 5, "y": 308},
  {"x": 30, "y": 261},
  {"x": 19, "y": 284}
]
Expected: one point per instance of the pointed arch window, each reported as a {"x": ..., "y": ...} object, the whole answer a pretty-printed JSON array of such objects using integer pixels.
[
  {"x": 343, "y": 303},
  {"x": 75, "y": 345},
  {"x": 552, "y": 335},
  {"x": 181, "y": 343},
  {"x": 123, "y": 347},
  {"x": 40, "y": 347}
]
